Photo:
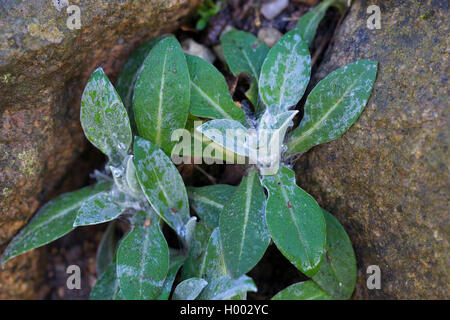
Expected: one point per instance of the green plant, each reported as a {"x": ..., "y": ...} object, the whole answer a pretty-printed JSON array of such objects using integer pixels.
[
  {"x": 206, "y": 10},
  {"x": 161, "y": 89}
]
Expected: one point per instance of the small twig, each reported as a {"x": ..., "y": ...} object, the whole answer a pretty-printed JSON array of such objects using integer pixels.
[
  {"x": 340, "y": 21},
  {"x": 189, "y": 29},
  {"x": 294, "y": 18},
  {"x": 233, "y": 85},
  {"x": 319, "y": 50},
  {"x": 244, "y": 10},
  {"x": 292, "y": 159},
  {"x": 207, "y": 175}
]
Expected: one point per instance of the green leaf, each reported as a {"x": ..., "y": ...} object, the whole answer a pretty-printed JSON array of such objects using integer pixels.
[
  {"x": 334, "y": 105},
  {"x": 162, "y": 184},
  {"x": 129, "y": 73},
  {"x": 271, "y": 135},
  {"x": 189, "y": 231},
  {"x": 161, "y": 94},
  {"x": 100, "y": 208},
  {"x": 194, "y": 265},
  {"x": 308, "y": 23},
  {"x": 337, "y": 273},
  {"x": 210, "y": 97},
  {"x": 197, "y": 145},
  {"x": 208, "y": 201},
  {"x": 217, "y": 130},
  {"x": 131, "y": 178},
  {"x": 226, "y": 287},
  {"x": 214, "y": 263},
  {"x": 107, "y": 286},
  {"x": 272, "y": 129},
  {"x": 245, "y": 53},
  {"x": 242, "y": 223},
  {"x": 189, "y": 289},
  {"x": 175, "y": 264},
  {"x": 253, "y": 95},
  {"x": 295, "y": 221},
  {"x": 276, "y": 122},
  {"x": 119, "y": 295},
  {"x": 104, "y": 118},
  {"x": 106, "y": 249},
  {"x": 51, "y": 222},
  {"x": 240, "y": 296},
  {"x": 143, "y": 259},
  {"x": 285, "y": 73},
  {"x": 201, "y": 24},
  {"x": 341, "y": 5},
  {"x": 306, "y": 290}
]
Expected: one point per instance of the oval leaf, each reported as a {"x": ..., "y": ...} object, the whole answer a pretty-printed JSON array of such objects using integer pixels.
[
  {"x": 195, "y": 144},
  {"x": 208, "y": 201},
  {"x": 285, "y": 73},
  {"x": 162, "y": 184},
  {"x": 295, "y": 221},
  {"x": 194, "y": 265},
  {"x": 161, "y": 94},
  {"x": 175, "y": 264},
  {"x": 143, "y": 259},
  {"x": 129, "y": 73},
  {"x": 337, "y": 272},
  {"x": 243, "y": 230},
  {"x": 230, "y": 134},
  {"x": 130, "y": 176},
  {"x": 119, "y": 295},
  {"x": 226, "y": 287},
  {"x": 189, "y": 231},
  {"x": 210, "y": 97},
  {"x": 306, "y": 290},
  {"x": 104, "y": 118},
  {"x": 100, "y": 208},
  {"x": 271, "y": 134},
  {"x": 189, "y": 289},
  {"x": 214, "y": 262},
  {"x": 245, "y": 53},
  {"x": 334, "y": 105},
  {"x": 107, "y": 286},
  {"x": 106, "y": 249},
  {"x": 52, "y": 221},
  {"x": 308, "y": 23}
]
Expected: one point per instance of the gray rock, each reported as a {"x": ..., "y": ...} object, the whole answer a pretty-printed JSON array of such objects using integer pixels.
[
  {"x": 219, "y": 53},
  {"x": 44, "y": 66},
  {"x": 270, "y": 36},
  {"x": 192, "y": 47},
  {"x": 272, "y": 9},
  {"x": 386, "y": 179}
]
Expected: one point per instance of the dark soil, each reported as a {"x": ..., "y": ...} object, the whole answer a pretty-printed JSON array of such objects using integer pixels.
[{"x": 274, "y": 272}]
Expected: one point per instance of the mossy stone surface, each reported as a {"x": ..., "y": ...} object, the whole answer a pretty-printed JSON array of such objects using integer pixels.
[
  {"x": 386, "y": 179},
  {"x": 44, "y": 67}
]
